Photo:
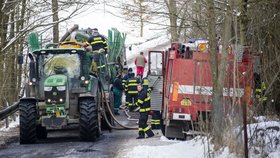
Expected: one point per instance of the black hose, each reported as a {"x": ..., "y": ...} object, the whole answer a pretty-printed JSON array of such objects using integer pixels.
[
  {"x": 8, "y": 111},
  {"x": 123, "y": 127}
]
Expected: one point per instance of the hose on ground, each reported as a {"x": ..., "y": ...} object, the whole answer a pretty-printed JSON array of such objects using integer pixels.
[
  {"x": 123, "y": 127},
  {"x": 129, "y": 117}
]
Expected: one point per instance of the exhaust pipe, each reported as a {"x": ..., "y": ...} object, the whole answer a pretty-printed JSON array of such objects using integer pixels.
[{"x": 75, "y": 27}]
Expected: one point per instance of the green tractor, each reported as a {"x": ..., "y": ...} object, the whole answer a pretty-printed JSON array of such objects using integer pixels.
[{"x": 62, "y": 90}]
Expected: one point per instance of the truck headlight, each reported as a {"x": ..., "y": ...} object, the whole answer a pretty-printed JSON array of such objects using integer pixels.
[
  {"x": 61, "y": 88},
  {"x": 47, "y": 89}
]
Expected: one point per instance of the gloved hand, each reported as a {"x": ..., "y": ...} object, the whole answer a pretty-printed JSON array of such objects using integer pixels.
[{"x": 101, "y": 50}]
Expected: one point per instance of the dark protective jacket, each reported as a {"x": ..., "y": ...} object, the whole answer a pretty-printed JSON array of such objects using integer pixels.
[
  {"x": 143, "y": 101},
  {"x": 131, "y": 86},
  {"x": 125, "y": 78},
  {"x": 118, "y": 84},
  {"x": 97, "y": 42}
]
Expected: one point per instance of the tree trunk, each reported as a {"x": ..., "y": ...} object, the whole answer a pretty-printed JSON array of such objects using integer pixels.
[
  {"x": 141, "y": 18},
  {"x": 55, "y": 21},
  {"x": 4, "y": 18},
  {"x": 217, "y": 95},
  {"x": 20, "y": 25},
  {"x": 172, "y": 10},
  {"x": 243, "y": 22}
]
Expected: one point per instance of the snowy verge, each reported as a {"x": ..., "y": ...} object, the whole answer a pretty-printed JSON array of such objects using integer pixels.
[{"x": 11, "y": 125}]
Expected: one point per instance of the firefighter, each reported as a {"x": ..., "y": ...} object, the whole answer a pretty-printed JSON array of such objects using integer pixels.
[
  {"x": 139, "y": 78},
  {"x": 260, "y": 89},
  {"x": 124, "y": 80},
  {"x": 117, "y": 90},
  {"x": 140, "y": 62},
  {"x": 144, "y": 105},
  {"x": 132, "y": 93},
  {"x": 155, "y": 122},
  {"x": 99, "y": 48},
  {"x": 127, "y": 76}
]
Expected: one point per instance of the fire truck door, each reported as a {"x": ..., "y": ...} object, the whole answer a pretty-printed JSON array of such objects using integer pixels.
[{"x": 155, "y": 77}]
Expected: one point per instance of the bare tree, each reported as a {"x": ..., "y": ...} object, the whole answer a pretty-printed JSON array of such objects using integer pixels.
[
  {"x": 172, "y": 11},
  {"x": 55, "y": 21},
  {"x": 136, "y": 11}
]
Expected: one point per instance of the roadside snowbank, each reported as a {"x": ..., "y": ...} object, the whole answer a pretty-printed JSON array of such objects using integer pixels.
[{"x": 11, "y": 125}]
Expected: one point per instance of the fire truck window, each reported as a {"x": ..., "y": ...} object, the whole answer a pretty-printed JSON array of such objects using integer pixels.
[{"x": 156, "y": 64}]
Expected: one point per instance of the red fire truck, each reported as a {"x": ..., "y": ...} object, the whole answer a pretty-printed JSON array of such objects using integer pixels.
[{"x": 182, "y": 85}]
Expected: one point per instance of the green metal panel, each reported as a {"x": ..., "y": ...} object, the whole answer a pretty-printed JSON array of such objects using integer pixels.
[
  {"x": 116, "y": 42},
  {"x": 34, "y": 42}
]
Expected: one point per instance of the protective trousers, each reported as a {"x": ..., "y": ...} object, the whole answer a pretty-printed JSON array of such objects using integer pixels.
[
  {"x": 131, "y": 99},
  {"x": 99, "y": 58},
  {"x": 155, "y": 122},
  {"x": 117, "y": 99},
  {"x": 143, "y": 127}
]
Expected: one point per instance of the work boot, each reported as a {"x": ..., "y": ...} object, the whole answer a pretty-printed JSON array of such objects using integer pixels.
[
  {"x": 140, "y": 137},
  {"x": 150, "y": 133}
]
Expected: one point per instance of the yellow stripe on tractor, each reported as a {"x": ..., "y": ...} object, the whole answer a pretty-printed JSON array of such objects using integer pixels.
[{"x": 69, "y": 44}]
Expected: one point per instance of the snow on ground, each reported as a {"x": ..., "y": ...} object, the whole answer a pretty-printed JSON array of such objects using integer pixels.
[
  {"x": 195, "y": 148},
  {"x": 264, "y": 138},
  {"x": 11, "y": 125},
  {"x": 263, "y": 142}
]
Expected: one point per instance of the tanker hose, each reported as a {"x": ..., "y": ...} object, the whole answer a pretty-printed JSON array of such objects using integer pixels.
[{"x": 123, "y": 127}]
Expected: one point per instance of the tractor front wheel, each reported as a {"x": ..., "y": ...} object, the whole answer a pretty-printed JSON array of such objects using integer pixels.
[
  {"x": 28, "y": 115},
  {"x": 88, "y": 119}
]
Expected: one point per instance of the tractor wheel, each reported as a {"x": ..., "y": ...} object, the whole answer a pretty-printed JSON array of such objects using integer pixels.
[
  {"x": 99, "y": 116},
  {"x": 27, "y": 122},
  {"x": 88, "y": 119},
  {"x": 41, "y": 132}
]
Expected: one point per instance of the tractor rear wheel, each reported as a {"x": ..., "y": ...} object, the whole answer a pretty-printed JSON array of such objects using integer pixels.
[
  {"x": 28, "y": 113},
  {"x": 88, "y": 119}
]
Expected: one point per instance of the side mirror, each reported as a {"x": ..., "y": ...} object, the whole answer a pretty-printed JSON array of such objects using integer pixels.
[
  {"x": 20, "y": 59},
  {"x": 32, "y": 70}
]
